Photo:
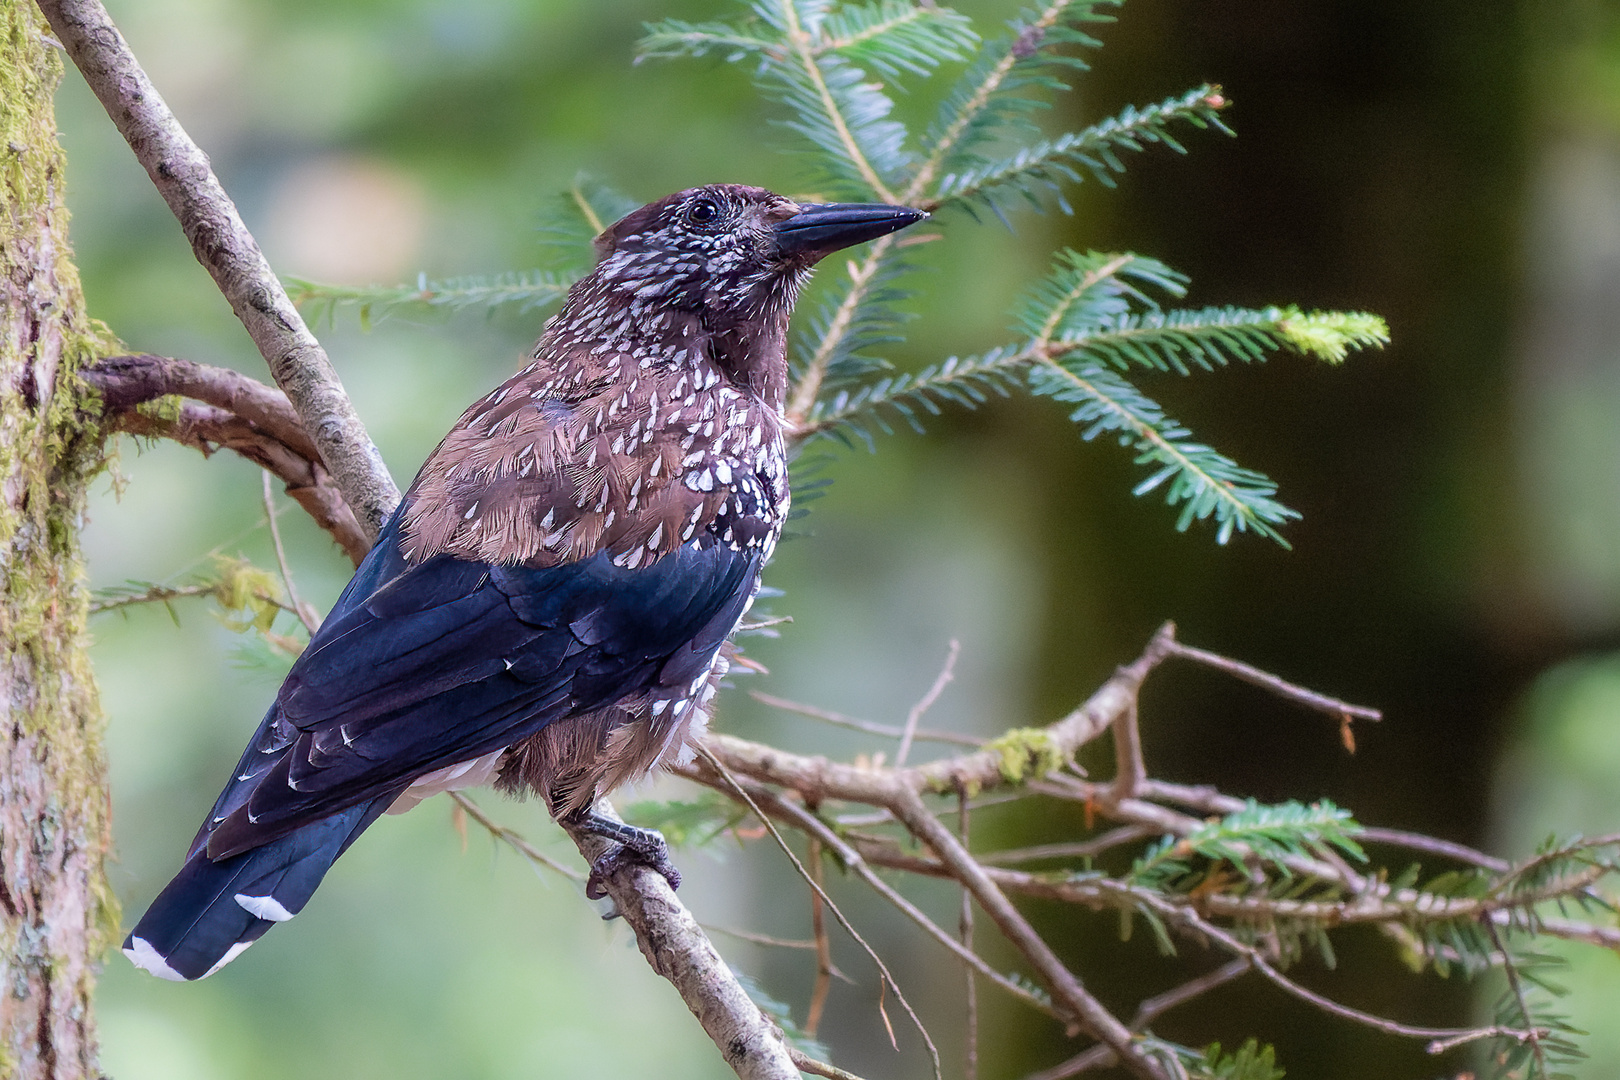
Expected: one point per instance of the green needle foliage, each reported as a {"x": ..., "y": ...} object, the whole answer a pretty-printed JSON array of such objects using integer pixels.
[
  {"x": 1254, "y": 841},
  {"x": 528, "y": 289},
  {"x": 1082, "y": 331}
]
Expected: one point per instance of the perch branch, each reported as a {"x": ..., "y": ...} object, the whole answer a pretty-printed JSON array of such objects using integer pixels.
[
  {"x": 677, "y": 948},
  {"x": 843, "y": 920}
]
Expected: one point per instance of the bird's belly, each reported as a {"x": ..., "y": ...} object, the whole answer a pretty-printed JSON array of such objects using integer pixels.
[{"x": 464, "y": 774}]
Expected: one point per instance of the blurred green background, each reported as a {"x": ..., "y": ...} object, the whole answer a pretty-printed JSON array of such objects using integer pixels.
[{"x": 1452, "y": 165}]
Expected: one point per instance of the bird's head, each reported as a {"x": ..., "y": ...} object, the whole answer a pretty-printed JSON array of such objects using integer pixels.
[
  {"x": 713, "y": 271},
  {"x": 718, "y": 238},
  {"x": 725, "y": 246}
]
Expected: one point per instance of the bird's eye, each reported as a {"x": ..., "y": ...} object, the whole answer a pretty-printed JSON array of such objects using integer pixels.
[{"x": 702, "y": 212}]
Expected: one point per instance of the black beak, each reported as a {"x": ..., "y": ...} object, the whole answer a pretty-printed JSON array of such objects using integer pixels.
[{"x": 821, "y": 228}]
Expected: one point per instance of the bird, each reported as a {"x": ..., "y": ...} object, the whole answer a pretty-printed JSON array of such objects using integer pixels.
[{"x": 549, "y": 607}]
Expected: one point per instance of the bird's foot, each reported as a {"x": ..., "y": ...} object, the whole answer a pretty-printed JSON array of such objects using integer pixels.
[{"x": 644, "y": 846}]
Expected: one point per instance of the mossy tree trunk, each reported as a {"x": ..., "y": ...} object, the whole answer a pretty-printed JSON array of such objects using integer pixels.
[{"x": 56, "y": 913}]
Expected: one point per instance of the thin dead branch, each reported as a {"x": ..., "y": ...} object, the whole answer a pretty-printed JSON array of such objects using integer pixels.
[
  {"x": 970, "y": 989},
  {"x": 849, "y": 927},
  {"x": 888, "y": 731},
  {"x": 1281, "y": 687},
  {"x": 1100, "y": 1057},
  {"x": 909, "y": 732},
  {"x": 306, "y": 614},
  {"x": 823, "y": 943}
]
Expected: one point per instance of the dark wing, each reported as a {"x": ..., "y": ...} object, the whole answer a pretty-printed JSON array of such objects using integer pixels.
[{"x": 419, "y": 667}]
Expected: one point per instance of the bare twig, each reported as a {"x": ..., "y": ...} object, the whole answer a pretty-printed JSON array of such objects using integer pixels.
[
  {"x": 853, "y": 860},
  {"x": 849, "y": 928},
  {"x": 1606, "y": 937},
  {"x": 1511, "y": 970},
  {"x": 1156, "y": 1006},
  {"x": 306, "y": 614},
  {"x": 823, "y": 944},
  {"x": 759, "y": 939},
  {"x": 514, "y": 839},
  {"x": 1125, "y": 834},
  {"x": 946, "y": 673},
  {"x": 840, "y": 720},
  {"x": 970, "y": 989},
  {"x": 1444, "y": 1037},
  {"x": 222, "y": 243},
  {"x": 988, "y": 768},
  {"x": 1100, "y": 1057},
  {"x": 1129, "y": 768},
  {"x": 157, "y": 594},
  {"x": 1429, "y": 845},
  {"x": 819, "y": 1068},
  {"x": 1065, "y": 987},
  {"x": 1281, "y": 687}
]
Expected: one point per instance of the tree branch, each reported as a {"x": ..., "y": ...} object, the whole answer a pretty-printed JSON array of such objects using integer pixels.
[
  {"x": 222, "y": 243},
  {"x": 239, "y": 414},
  {"x": 677, "y": 948}
]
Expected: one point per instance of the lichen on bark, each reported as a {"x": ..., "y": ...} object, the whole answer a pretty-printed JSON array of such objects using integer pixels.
[{"x": 57, "y": 914}]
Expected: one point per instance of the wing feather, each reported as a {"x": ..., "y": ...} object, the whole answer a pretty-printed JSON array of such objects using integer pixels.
[{"x": 449, "y": 659}]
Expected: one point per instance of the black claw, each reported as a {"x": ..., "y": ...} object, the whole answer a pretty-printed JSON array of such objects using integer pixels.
[{"x": 636, "y": 846}]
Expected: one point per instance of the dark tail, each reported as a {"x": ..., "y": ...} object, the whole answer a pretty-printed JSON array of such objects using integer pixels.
[{"x": 211, "y": 911}]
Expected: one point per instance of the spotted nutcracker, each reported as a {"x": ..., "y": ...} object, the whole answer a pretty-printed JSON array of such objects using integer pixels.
[{"x": 548, "y": 606}]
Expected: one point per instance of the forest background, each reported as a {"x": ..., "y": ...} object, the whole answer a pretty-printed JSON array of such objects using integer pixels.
[{"x": 1454, "y": 167}]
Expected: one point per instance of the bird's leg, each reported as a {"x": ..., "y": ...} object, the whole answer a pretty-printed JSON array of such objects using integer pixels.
[{"x": 645, "y": 846}]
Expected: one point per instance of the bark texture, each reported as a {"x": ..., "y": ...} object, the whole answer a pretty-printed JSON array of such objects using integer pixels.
[{"x": 56, "y": 912}]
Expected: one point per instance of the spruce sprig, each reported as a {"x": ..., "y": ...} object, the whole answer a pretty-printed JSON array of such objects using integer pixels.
[{"x": 1257, "y": 841}]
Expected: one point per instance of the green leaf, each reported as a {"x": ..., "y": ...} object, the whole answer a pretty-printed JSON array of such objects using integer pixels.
[
  {"x": 674, "y": 38},
  {"x": 1251, "y": 1061},
  {"x": 1330, "y": 335}
]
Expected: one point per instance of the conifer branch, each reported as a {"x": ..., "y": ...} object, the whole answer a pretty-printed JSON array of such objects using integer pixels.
[
  {"x": 1205, "y": 482},
  {"x": 978, "y": 99},
  {"x": 861, "y": 275},
  {"x": 526, "y": 289},
  {"x": 803, "y": 47},
  {"x": 1093, "y": 151}
]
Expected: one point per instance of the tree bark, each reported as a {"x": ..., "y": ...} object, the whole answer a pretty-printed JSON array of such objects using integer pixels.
[{"x": 57, "y": 915}]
